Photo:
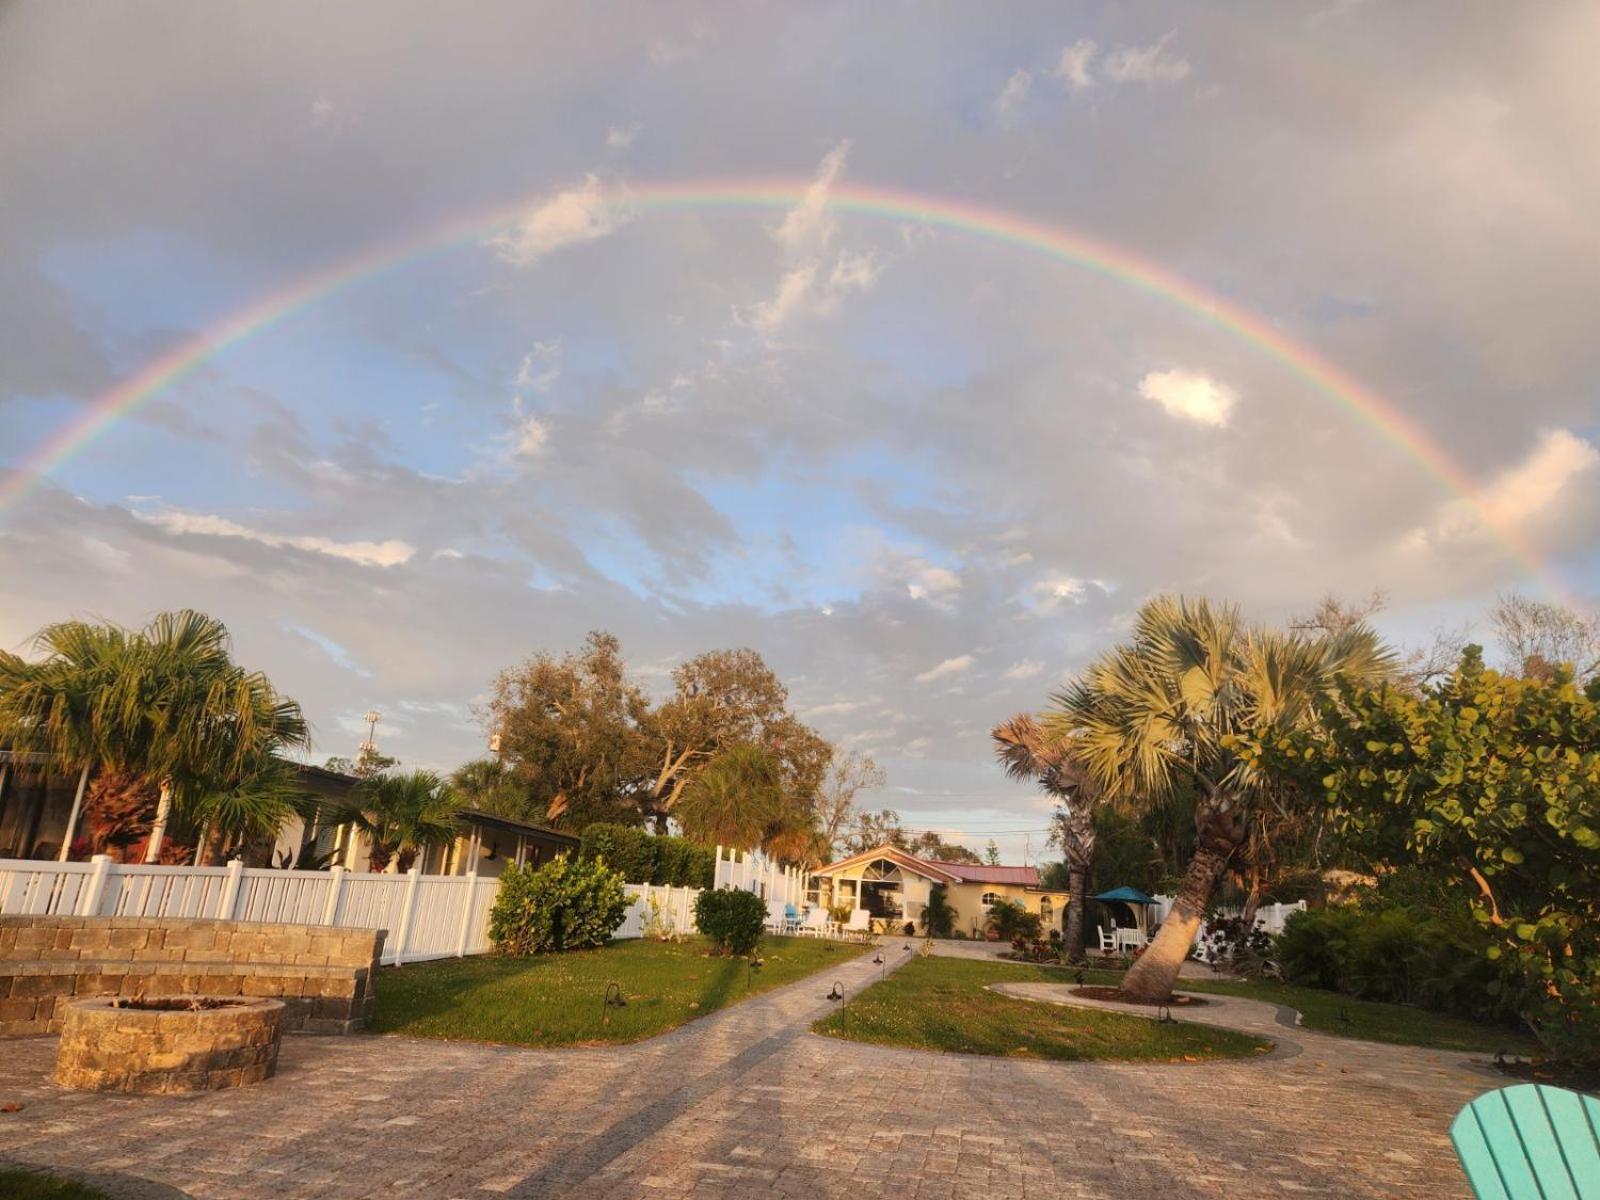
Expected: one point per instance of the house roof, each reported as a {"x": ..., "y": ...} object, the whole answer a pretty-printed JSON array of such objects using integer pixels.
[
  {"x": 472, "y": 816},
  {"x": 983, "y": 873},
  {"x": 938, "y": 872}
]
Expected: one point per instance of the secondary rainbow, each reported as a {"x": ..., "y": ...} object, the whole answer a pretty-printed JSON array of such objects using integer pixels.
[{"x": 993, "y": 224}]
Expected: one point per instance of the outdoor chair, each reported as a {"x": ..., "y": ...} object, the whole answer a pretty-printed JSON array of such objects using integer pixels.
[
  {"x": 1530, "y": 1142},
  {"x": 791, "y": 919},
  {"x": 860, "y": 924},
  {"x": 775, "y": 917},
  {"x": 816, "y": 923},
  {"x": 1108, "y": 940}
]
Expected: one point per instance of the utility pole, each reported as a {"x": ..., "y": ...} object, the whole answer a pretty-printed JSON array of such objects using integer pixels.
[{"x": 368, "y": 750}]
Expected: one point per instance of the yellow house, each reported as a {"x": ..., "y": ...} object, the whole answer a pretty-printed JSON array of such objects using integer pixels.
[{"x": 893, "y": 885}]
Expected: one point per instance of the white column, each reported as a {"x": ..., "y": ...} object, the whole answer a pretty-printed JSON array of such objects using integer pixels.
[
  {"x": 407, "y": 907},
  {"x": 470, "y": 891},
  {"x": 72, "y": 820},
  {"x": 230, "y": 891},
  {"x": 330, "y": 915},
  {"x": 89, "y": 898},
  {"x": 158, "y": 831}
]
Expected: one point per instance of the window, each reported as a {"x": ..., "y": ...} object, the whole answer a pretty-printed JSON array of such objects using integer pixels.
[{"x": 991, "y": 898}]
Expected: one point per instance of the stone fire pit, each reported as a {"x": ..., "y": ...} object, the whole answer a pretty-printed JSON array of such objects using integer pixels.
[{"x": 168, "y": 1043}]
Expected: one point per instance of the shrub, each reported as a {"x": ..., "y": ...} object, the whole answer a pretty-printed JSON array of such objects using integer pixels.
[
  {"x": 1011, "y": 920},
  {"x": 566, "y": 904},
  {"x": 731, "y": 918},
  {"x": 629, "y": 851},
  {"x": 682, "y": 863},
  {"x": 938, "y": 916},
  {"x": 1235, "y": 947},
  {"x": 1034, "y": 950}
]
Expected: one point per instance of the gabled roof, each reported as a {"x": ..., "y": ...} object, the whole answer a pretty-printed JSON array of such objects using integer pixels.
[
  {"x": 983, "y": 873},
  {"x": 938, "y": 872}
]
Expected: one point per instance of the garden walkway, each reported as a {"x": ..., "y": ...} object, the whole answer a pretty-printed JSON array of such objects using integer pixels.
[{"x": 747, "y": 1102}]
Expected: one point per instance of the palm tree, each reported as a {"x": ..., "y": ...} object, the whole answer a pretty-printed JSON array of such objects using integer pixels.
[
  {"x": 734, "y": 800},
  {"x": 163, "y": 709},
  {"x": 1026, "y": 752},
  {"x": 402, "y": 814},
  {"x": 1168, "y": 709}
]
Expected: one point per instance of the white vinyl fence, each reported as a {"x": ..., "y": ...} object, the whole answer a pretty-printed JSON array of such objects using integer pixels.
[
  {"x": 1270, "y": 918},
  {"x": 426, "y": 916}
]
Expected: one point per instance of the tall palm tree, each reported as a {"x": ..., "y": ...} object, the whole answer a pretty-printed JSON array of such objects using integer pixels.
[
  {"x": 734, "y": 800},
  {"x": 401, "y": 815},
  {"x": 1027, "y": 752},
  {"x": 1169, "y": 708},
  {"x": 164, "y": 708}
]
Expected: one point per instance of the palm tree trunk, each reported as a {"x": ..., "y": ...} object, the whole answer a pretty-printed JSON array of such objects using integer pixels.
[
  {"x": 158, "y": 831},
  {"x": 1078, "y": 897},
  {"x": 1152, "y": 977}
]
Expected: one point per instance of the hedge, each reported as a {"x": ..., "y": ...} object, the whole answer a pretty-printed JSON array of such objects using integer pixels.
[{"x": 641, "y": 857}]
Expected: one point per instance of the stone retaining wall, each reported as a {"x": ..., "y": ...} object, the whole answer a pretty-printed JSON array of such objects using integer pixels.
[{"x": 325, "y": 976}]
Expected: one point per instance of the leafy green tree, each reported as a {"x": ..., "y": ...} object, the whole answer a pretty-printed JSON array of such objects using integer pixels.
[
  {"x": 1493, "y": 781},
  {"x": 991, "y": 853},
  {"x": 735, "y": 800},
  {"x": 874, "y": 829},
  {"x": 491, "y": 786},
  {"x": 402, "y": 815},
  {"x": 162, "y": 710},
  {"x": 930, "y": 845},
  {"x": 1172, "y": 708},
  {"x": 938, "y": 917}
]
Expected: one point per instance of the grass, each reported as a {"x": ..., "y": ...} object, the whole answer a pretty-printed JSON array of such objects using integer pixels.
[
  {"x": 555, "y": 1000},
  {"x": 30, "y": 1185},
  {"x": 1369, "y": 1020},
  {"x": 943, "y": 1004}
]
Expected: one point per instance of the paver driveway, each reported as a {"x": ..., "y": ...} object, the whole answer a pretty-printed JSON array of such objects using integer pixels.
[{"x": 747, "y": 1102}]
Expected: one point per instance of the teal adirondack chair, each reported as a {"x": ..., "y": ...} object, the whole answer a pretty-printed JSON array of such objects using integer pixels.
[{"x": 1530, "y": 1142}]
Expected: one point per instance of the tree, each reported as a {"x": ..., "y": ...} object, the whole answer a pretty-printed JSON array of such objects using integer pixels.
[
  {"x": 491, "y": 786},
  {"x": 1027, "y": 752},
  {"x": 938, "y": 917},
  {"x": 1494, "y": 782},
  {"x": 572, "y": 730},
  {"x": 873, "y": 829},
  {"x": 848, "y": 776},
  {"x": 736, "y": 801},
  {"x": 930, "y": 845},
  {"x": 991, "y": 853},
  {"x": 402, "y": 815},
  {"x": 1174, "y": 706},
  {"x": 1537, "y": 638},
  {"x": 162, "y": 717}
]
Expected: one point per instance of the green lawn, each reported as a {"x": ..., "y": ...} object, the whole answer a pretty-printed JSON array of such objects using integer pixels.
[
  {"x": 1370, "y": 1020},
  {"x": 29, "y": 1185},
  {"x": 555, "y": 1000},
  {"x": 944, "y": 1004}
]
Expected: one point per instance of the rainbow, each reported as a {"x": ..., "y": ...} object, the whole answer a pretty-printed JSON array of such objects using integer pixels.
[{"x": 864, "y": 200}]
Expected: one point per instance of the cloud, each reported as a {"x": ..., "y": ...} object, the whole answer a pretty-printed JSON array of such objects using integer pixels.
[
  {"x": 1191, "y": 396},
  {"x": 1026, "y": 669},
  {"x": 944, "y": 670},
  {"x": 1007, "y": 106},
  {"x": 392, "y": 553},
  {"x": 580, "y": 214},
  {"x": 532, "y": 437},
  {"x": 809, "y": 224},
  {"x": 1518, "y": 494},
  {"x": 1073, "y": 69},
  {"x": 1051, "y": 592},
  {"x": 1149, "y": 65},
  {"x": 337, "y": 654},
  {"x": 931, "y": 582},
  {"x": 540, "y": 368},
  {"x": 621, "y": 137}
]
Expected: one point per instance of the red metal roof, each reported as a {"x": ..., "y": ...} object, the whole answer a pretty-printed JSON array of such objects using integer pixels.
[{"x": 974, "y": 873}]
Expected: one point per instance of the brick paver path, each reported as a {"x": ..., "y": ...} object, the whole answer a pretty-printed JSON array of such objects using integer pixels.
[{"x": 747, "y": 1102}]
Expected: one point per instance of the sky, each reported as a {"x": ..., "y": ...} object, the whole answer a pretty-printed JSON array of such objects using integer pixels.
[{"x": 928, "y": 474}]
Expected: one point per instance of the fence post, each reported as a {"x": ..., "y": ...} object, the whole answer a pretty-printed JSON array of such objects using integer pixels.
[
  {"x": 89, "y": 901},
  {"x": 466, "y": 913},
  {"x": 330, "y": 915},
  {"x": 407, "y": 907},
  {"x": 230, "y": 891}
]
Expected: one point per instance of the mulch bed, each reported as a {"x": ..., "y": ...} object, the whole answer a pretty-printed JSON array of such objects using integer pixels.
[
  {"x": 1118, "y": 996},
  {"x": 1579, "y": 1079}
]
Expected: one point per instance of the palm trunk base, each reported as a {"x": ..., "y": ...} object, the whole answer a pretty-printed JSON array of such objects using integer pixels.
[{"x": 1154, "y": 974}]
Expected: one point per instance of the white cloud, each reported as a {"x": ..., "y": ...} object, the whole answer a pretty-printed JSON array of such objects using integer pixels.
[
  {"x": 809, "y": 225},
  {"x": 1519, "y": 493},
  {"x": 1190, "y": 395},
  {"x": 1051, "y": 592},
  {"x": 621, "y": 137},
  {"x": 1007, "y": 106},
  {"x": 392, "y": 553},
  {"x": 580, "y": 214},
  {"x": 950, "y": 666},
  {"x": 532, "y": 437},
  {"x": 931, "y": 582},
  {"x": 1074, "y": 67},
  {"x": 1145, "y": 64},
  {"x": 323, "y": 110},
  {"x": 541, "y": 367},
  {"x": 1026, "y": 669}
]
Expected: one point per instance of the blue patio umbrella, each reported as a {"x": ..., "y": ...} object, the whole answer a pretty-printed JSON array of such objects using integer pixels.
[{"x": 1127, "y": 895}]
